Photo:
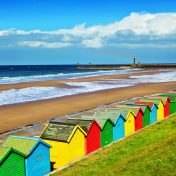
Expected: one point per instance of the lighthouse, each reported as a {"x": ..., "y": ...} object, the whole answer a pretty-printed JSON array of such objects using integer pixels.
[{"x": 134, "y": 60}]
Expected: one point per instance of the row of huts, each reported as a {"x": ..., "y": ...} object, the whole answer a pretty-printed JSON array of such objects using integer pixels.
[{"x": 61, "y": 143}]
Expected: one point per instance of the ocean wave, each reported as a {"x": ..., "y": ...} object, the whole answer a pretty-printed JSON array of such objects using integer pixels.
[{"x": 61, "y": 76}]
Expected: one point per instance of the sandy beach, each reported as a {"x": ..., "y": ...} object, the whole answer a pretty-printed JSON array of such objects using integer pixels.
[{"x": 17, "y": 115}]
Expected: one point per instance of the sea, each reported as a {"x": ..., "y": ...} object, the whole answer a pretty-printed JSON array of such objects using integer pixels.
[{"x": 29, "y": 73}]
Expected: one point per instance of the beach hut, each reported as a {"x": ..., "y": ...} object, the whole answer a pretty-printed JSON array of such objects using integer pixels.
[
  {"x": 160, "y": 105},
  {"x": 153, "y": 108},
  {"x": 67, "y": 141},
  {"x": 172, "y": 97},
  {"x": 92, "y": 129},
  {"x": 119, "y": 123},
  {"x": 37, "y": 153},
  {"x": 129, "y": 117},
  {"x": 12, "y": 162},
  {"x": 106, "y": 124}
]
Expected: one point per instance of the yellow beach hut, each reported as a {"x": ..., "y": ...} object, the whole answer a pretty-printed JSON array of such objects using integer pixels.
[
  {"x": 160, "y": 104},
  {"x": 67, "y": 141},
  {"x": 130, "y": 119}
]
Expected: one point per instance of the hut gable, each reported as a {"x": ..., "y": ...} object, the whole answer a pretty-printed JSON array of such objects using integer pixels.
[
  {"x": 12, "y": 162},
  {"x": 23, "y": 144},
  {"x": 60, "y": 131},
  {"x": 84, "y": 124},
  {"x": 5, "y": 151}
]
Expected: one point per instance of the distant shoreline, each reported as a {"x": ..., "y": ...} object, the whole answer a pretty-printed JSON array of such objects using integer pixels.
[{"x": 109, "y": 67}]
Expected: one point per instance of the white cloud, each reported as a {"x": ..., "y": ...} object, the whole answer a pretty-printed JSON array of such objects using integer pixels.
[
  {"x": 135, "y": 27},
  {"x": 44, "y": 44}
]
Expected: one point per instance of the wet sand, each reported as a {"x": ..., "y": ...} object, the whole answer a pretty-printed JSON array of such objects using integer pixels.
[{"x": 17, "y": 115}]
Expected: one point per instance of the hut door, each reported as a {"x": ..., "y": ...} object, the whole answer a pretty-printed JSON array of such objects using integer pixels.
[{"x": 52, "y": 165}]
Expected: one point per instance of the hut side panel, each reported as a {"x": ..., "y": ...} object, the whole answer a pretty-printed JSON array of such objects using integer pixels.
[
  {"x": 58, "y": 153},
  {"x": 107, "y": 134},
  {"x": 146, "y": 117},
  {"x": 138, "y": 121},
  {"x": 77, "y": 146},
  {"x": 153, "y": 114},
  {"x": 118, "y": 129},
  {"x": 93, "y": 139},
  {"x": 14, "y": 165},
  {"x": 129, "y": 125},
  {"x": 41, "y": 156},
  {"x": 160, "y": 112},
  {"x": 172, "y": 107},
  {"x": 167, "y": 109}
]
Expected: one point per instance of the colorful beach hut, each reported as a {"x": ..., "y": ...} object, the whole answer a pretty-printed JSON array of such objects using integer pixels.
[
  {"x": 160, "y": 105},
  {"x": 119, "y": 123},
  {"x": 172, "y": 97},
  {"x": 106, "y": 124},
  {"x": 129, "y": 117},
  {"x": 153, "y": 108},
  {"x": 12, "y": 162},
  {"x": 36, "y": 151},
  {"x": 92, "y": 129},
  {"x": 67, "y": 141}
]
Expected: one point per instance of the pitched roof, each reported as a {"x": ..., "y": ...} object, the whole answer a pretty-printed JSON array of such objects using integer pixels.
[
  {"x": 134, "y": 108},
  {"x": 142, "y": 106},
  {"x": 59, "y": 131},
  {"x": 150, "y": 104},
  {"x": 23, "y": 144},
  {"x": 111, "y": 115},
  {"x": 151, "y": 99},
  {"x": 84, "y": 123},
  {"x": 163, "y": 98},
  {"x": 100, "y": 120},
  {"x": 4, "y": 152},
  {"x": 124, "y": 112}
]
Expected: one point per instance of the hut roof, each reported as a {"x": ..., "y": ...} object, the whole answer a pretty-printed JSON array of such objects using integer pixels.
[
  {"x": 4, "y": 152},
  {"x": 124, "y": 112},
  {"x": 23, "y": 144},
  {"x": 172, "y": 96},
  {"x": 111, "y": 115},
  {"x": 154, "y": 100},
  {"x": 150, "y": 104},
  {"x": 84, "y": 123},
  {"x": 100, "y": 120},
  {"x": 59, "y": 131},
  {"x": 134, "y": 108}
]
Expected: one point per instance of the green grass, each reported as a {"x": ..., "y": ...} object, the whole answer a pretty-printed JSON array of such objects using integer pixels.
[{"x": 151, "y": 151}]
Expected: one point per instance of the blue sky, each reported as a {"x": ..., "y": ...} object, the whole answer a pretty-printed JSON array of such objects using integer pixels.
[{"x": 68, "y": 31}]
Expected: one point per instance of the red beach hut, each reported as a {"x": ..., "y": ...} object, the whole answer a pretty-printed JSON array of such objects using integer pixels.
[{"x": 92, "y": 128}]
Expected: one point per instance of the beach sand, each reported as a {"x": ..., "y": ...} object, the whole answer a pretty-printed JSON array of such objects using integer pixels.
[{"x": 17, "y": 115}]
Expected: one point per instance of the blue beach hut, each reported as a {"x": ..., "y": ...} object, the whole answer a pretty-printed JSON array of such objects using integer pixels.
[
  {"x": 37, "y": 152},
  {"x": 119, "y": 122}
]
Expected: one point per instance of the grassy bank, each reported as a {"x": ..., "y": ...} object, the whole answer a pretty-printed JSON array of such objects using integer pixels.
[{"x": 151, "y": 151}]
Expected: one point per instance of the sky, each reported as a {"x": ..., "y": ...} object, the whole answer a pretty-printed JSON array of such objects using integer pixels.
[{"x": 87, "y": 31}]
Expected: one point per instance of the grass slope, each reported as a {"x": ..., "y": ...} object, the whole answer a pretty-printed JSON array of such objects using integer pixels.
[{"x": 151, "y": 151}]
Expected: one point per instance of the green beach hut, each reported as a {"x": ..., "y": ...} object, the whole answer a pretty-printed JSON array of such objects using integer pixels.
[
  {"x": 12, "y": 162},
  {"x": 106, "y": 124}
]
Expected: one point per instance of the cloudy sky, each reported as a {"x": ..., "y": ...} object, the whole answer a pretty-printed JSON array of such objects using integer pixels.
[{"x": 84, "y": 31}]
